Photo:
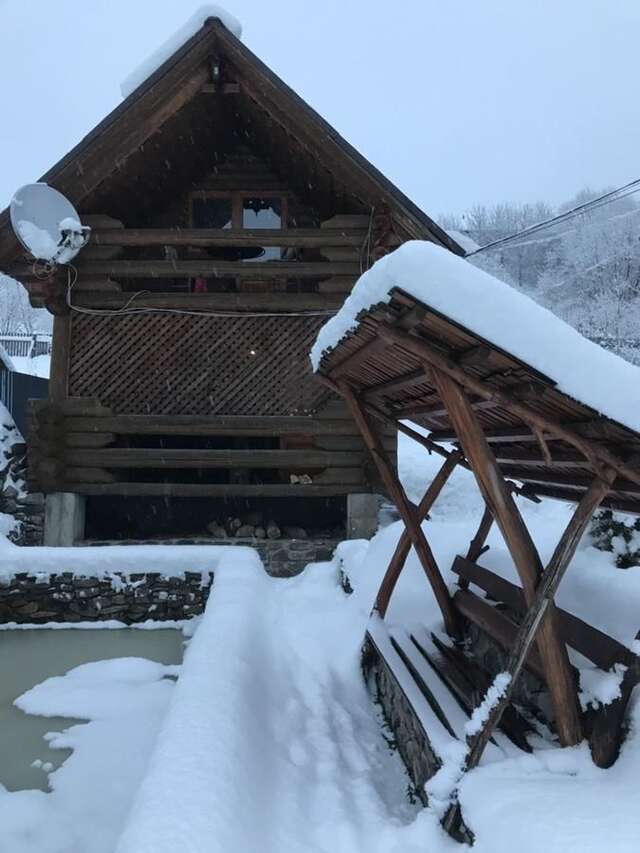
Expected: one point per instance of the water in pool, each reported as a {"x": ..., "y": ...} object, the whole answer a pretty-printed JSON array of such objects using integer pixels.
[{"x": 29, "y": 657}]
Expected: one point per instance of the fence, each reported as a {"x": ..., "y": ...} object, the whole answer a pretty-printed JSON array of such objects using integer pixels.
[
  {"x": 26, "y": 346},
  {"x": 16, "y": 389}
]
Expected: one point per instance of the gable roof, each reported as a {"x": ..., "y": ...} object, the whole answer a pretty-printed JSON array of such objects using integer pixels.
[{"x": 125, "y": 148}]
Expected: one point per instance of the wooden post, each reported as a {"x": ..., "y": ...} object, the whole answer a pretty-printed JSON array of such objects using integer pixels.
[
  {"x": 522, "y": 549},
  {"x": 404, "y": 543},
  {"x": 533, "y": 620},
  {"x": 477, "y": 546},
  {"x": 407, "y": 513},
  {"x": 60, "y": 349}
]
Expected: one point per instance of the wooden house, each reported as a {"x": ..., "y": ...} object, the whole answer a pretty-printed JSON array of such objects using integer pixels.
[{"x": 228, "y": 221}]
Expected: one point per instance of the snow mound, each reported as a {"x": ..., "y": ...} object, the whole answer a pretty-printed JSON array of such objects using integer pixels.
[
  {"x": 175, "y": 42},
  {"x": 499, "y": 314}
]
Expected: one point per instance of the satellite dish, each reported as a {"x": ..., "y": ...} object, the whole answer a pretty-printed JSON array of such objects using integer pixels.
[{"x": 47, "y": 224}]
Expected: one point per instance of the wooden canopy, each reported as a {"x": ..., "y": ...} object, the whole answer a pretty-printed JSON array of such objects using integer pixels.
[
  {"x": 516, "y": 431},
  {"x": 539, "y": 435},
  {"x": 163, "y": 135}
]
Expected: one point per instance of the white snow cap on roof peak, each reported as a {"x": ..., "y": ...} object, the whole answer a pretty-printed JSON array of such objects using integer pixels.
[{"x": 175, "y": 42}]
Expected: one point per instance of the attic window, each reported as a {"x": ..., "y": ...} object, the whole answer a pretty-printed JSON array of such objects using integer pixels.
[
  {"x": 211, "y": 212},
  {"x": 263, "y": 213}
]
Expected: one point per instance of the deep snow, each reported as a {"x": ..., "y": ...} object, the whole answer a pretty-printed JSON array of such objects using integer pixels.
[
  {"x": 271, "y": 742},
  {"x": 500, "y": 314}
]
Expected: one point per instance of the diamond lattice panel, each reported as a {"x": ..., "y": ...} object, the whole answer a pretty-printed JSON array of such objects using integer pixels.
[{"x": 171, "y": 364}]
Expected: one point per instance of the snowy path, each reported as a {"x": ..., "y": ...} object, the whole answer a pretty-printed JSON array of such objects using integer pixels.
[{"x": 272, "y": 742}]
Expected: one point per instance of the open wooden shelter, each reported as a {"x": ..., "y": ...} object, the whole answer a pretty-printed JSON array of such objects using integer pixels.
[
  {"x": 517, "y": 433},
  {"x": 229, "y": 220}
]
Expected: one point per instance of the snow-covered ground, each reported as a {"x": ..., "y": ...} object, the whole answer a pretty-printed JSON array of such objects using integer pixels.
[
  {"x": 270, "y": 741},
  {"x": 39, "y": 365}
]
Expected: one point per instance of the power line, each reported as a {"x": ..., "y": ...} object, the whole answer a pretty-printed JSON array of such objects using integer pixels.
[{"x": 608, "y": 197}]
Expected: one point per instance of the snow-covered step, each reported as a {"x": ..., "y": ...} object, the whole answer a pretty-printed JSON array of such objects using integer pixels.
[{"x": 440, "y": 735}]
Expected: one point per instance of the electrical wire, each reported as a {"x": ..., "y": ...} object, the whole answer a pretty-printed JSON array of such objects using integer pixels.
[
  {"x": 594, "y": 204},
  {"x": 127, "y": 310}
]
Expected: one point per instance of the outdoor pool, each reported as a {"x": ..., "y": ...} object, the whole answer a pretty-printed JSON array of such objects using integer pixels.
[{"x": 28, "y": 657}]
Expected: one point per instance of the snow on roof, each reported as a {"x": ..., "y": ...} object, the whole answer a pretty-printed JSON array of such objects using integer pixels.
[
  {"x": 501, "y": 315},
  {"x": 175, "y": 42},
  {"x": 463, "y": 240}
]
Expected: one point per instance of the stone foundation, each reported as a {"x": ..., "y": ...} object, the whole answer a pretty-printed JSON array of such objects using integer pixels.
[
  {"x": 29, "y": 599},
  {"x": 282, "y": 558},
  {"x": 410, "y": 738}
]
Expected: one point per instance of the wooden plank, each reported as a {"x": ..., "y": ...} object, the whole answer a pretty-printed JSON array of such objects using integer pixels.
[
  {"x": 61, "y": 346},
  {"x": 498, "y": 626},
  {"x": 477, "y": 546},
  {"x": 139, "y": 457},
  {"x": 525, "y": 556},
  {"x": 392, "y": 484},
  {"x": 569, "y": 481},
  {"x": 274, "y": 490},
  {"x": 408, "y": 380},
  {"x": 123, "y": 268},
  {"x": 89, "y": 439},
  {"x": 208, "y": 237},
  {"x": 208, "y": 425},
  {"x": 286, "y": 303},
  {"x": 594, "y": 644}
]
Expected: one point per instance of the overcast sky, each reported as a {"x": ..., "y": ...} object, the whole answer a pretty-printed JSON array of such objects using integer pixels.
[{"x": 458, "y": 102}]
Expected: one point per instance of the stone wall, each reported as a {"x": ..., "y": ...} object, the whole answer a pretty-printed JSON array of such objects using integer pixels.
[
  {"x": 282, "y": 558},
  {"x": 131, "y": 598},
  {"x": 34, "y": 599},
  {"x": 27, "y": 509},
  {"x": 410, "y": 738}
]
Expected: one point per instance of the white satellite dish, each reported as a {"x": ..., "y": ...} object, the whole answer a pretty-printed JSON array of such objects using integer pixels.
[{"x": 47, "y": 224}]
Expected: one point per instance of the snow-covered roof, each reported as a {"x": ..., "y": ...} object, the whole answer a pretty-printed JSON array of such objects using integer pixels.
[
  {"x": 499, "y": 314},
  {"x": 175, "y": 42},
  {"x": 463, "y": 239}
]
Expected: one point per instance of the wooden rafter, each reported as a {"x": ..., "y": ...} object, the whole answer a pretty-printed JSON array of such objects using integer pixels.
[{"x": 597, "y": 454}]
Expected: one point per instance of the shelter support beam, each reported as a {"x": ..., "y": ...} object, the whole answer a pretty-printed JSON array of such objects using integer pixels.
[
  {"x": 405, "y": 508},
  {"x": 497, "y": 495},
  {"x": 403, "y": 547},
  {"x": 540, "y": 606},
  {"x": 477, "y": 546}
]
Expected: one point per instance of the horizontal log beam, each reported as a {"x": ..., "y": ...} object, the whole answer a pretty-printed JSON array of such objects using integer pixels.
[
  {"x": 208, "y": 426},
  {"x": 139, "y": 457},
  {"x": 285, "y": 303},
  {"x": 611, "y": 501},
  {"x": 206, "y": 489},
  {"x": 496, "y": 625},
  {"x": 594, "y": 644},
  {"x": 212, "y": 237},
  {"x": 576, "y": 482},
  {"x": 208, "y": 268}
]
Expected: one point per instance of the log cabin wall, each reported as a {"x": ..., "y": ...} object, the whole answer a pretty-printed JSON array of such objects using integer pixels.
[
  {"x": 217, "y": 404},
  {"x": 164, "y": 382}
]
